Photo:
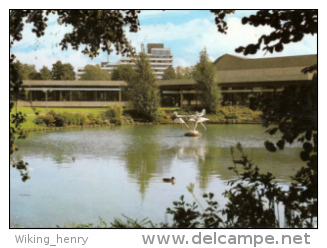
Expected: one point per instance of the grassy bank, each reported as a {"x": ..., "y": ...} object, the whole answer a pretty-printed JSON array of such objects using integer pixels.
[
  {"x": 30, "y": 111},
  {"x": 100, "y": 116}
]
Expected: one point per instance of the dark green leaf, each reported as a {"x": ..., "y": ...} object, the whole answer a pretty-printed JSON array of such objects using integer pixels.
[
  {"x": 270, "y": 146},
  {"x": 281, "y": 144},
  {"x": 304, "y": 156},
  {"x": 272, "y": 131}
]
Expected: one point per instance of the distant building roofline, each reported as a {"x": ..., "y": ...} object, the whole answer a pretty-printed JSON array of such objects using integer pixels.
[{"x": 230, "y": 62}]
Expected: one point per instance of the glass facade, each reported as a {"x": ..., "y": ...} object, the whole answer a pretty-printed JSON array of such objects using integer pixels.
[
  {"x": 170, "y": 97},
  {"x": 73, "y": 95},
  {"x": 160, "y": 52}
]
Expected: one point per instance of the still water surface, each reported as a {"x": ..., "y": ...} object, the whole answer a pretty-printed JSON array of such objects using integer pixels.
[{"x": 119, "y": 170}]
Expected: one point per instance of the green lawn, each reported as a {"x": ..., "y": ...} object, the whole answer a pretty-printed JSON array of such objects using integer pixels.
[{"x": 29, "y": 110}]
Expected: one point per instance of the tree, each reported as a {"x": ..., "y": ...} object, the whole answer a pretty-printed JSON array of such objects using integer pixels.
[
  {"x": 94, "y": 72},
  {"x": 25, "y": 71},
  {"x": 169, "y": 73},
  {"x": 122, "y": 72},
  {"x": 143, "y": 91},
  {"x": 29, "y": 72},
  {"x": 62, "y": 71},
  {"x": 45, "y": 73},
  {"x": 18, "y": 67},
  {"x": 184, "y": 72},
  {"x": 205, "y": 76}
]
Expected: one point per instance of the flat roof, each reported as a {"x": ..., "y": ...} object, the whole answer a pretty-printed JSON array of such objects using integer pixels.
[
  {"x": 229, "y": 62},
  {"x": 49, "y": 83}
]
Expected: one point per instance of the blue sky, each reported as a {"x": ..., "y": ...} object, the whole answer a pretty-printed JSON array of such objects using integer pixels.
[{"x": 185, "y": 32}]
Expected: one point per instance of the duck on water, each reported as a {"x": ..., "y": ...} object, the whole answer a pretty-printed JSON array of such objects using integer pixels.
[{"x": 169, "y": 180}]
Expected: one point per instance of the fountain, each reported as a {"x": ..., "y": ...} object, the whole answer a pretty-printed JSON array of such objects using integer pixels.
[{"x": 195, "y": 119}]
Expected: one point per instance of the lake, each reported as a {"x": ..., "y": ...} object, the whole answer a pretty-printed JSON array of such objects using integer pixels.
[{"x": 118, "y": 171}]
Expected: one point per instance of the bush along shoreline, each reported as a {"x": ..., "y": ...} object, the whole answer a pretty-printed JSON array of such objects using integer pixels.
[
  {"x": 115, "y": 116},
  {"x": 225, "y": 115}
]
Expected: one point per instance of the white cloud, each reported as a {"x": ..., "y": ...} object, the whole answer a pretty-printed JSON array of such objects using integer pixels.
[
  {"x": 47, "y": 58},
  {"x": 180, "y": 62}
]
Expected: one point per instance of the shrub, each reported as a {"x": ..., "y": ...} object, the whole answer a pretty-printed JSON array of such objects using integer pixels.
[
  {"x": 61, "y": 119},
  {"x": 49, "y": 119},
  {"x": 67, "y": 118},
  {"x": 116, "y": 121},
  {"x": 39, "y": 121},
  {"x": 128, "y": 119},
  {"x": 133, "y": 114},
  {"x": 45, "y": 120},
  {"x": 115, "y": 114},
  {"x": 74, "y": 119},
  {"x": 91, "y": 119},
  {"x": 114, "y": 111}
]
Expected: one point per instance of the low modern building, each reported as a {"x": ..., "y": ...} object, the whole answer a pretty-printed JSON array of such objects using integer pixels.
[
  {"x": 70, "y": 93},
  {"x": 240, "y": 79},
  {"x": 160, "y": 59}
]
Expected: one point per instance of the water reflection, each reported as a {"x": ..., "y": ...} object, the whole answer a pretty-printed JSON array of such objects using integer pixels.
[
  {"x": 142, "y": 155},
  {"x": 119, "y": 170}
]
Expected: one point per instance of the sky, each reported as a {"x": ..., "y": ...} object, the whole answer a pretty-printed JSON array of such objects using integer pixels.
[{"x": 185, "y": 32}]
